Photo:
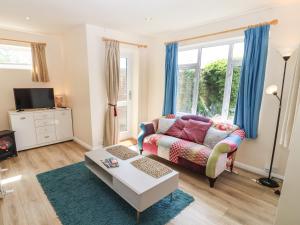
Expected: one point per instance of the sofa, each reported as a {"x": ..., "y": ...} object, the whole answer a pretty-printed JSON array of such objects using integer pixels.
[{"x": 193, "y": 141}]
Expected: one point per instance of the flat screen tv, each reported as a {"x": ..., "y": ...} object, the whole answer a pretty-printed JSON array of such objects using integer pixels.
[{"x": 32, "y": 98}]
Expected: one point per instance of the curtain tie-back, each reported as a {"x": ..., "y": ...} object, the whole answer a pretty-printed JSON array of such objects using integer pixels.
[{"x": 115, "y": 108}]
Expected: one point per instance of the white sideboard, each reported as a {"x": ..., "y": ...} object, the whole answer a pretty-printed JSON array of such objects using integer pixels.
[{"x": 35, "y": 128}]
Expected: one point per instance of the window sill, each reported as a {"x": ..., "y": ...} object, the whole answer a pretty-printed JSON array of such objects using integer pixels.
[{"x": 15, "y": 68}]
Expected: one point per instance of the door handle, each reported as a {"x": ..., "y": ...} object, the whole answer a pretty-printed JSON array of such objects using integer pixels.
[{"x": 22, "y": 118}]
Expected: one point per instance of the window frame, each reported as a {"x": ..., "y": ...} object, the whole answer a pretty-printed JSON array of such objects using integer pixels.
[{"x": 231, "y": 63}]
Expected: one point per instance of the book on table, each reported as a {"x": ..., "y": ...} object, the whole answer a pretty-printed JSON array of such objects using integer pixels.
[{"x": 110, "y": 162}]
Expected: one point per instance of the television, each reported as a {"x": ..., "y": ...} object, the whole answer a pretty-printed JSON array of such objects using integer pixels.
[{"x": 32, "y": 98}]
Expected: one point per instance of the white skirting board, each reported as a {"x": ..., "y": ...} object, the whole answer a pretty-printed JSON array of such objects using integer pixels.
[
  {"x": 256, "y": 170},
  {"x": 85, "y": 145}
]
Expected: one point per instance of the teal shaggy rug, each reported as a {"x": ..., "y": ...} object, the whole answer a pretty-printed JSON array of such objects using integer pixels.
[{"x": 81, "y": 198}]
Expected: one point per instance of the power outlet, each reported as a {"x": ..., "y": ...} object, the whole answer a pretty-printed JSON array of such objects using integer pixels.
[{"x": 274, "y": 169}]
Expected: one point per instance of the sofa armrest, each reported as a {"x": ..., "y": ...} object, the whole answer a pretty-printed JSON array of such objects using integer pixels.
[
  {"x": 147, "y": 128},
  {"x": 217, "y": 159}
]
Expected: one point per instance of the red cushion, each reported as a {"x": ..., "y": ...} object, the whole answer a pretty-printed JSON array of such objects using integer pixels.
[
  {"x": 177, "y": 128},
  {"x": 195, "y": 131}
]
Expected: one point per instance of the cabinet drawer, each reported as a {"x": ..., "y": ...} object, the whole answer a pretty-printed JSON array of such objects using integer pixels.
[
  {"x": 45, "y": 134},
  {"x": 44, "y": 122},
  {"x": 43, "y": 115},
  {"x": 22, "y": 118}
]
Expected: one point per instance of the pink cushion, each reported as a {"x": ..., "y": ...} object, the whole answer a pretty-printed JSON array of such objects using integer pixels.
[
  {"x": 190, "y": 130},
  {"x": 195, "y": 131},
  {"x": 177, "y": 128}
]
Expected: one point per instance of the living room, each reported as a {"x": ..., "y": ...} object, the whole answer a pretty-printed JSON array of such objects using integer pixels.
[{"x": 138, "y": 74}]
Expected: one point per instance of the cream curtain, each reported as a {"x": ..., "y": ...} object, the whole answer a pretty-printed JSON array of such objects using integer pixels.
[
  {"x": 112, "y": 66},
  {"x": 39, "y": 65},
  {"x": 291, "y": 106}
]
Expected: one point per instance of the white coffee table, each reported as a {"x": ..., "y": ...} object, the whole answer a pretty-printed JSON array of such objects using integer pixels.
[{"x": 139, "y": 189}]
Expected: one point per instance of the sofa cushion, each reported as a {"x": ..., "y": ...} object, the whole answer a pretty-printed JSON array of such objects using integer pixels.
[
  {"x": 175, "y": 147},
  {"x": 177, "y": 128},
  {"x": 214, "y": 136},
  {"x": 196, "y": 117},
  {"x": 225, "y": 126},
  {"x": 195, "y": 131},
  {"x": 171, "y": 116},
  {"x": 164, "y": 124}
]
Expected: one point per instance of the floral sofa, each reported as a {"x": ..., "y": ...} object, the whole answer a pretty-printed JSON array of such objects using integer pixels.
[{"x": 194, "y": 142}]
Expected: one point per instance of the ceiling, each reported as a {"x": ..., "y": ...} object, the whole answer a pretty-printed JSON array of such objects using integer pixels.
[{"x": 55, "y": 16}]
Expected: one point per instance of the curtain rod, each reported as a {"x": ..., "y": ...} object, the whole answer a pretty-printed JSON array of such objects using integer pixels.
[
  {"x": 22, "y": 41},
  {"x": 272, "y": 22},
  {"x": 126, "y": 43}
]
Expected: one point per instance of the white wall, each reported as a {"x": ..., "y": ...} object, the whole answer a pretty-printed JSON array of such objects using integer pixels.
[
  {"x": 76, "y": 69},
  {"x": 288, "y": 207},
  {"x": 284, "y": 37},
  {"x": 85, "y": 86},
  {"x": 16, "y": 78},
  {"x": 77, "y": 84}
]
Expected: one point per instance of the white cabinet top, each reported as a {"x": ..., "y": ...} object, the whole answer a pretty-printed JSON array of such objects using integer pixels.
[{"x": 37, "y": 110}]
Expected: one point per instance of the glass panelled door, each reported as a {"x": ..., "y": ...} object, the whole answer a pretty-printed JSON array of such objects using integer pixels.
[{"x": 124, "y": 99}]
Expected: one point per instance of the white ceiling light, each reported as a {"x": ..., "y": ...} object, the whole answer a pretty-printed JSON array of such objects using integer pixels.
[
  {"x": 27, "y": 18},
  {"x": 148, "y": 19}
]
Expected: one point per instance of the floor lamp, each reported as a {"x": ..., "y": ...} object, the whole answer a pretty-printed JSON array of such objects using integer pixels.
[{"x": 272, "y": 90}]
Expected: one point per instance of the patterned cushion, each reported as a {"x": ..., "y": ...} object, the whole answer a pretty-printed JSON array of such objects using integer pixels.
[
  {"x": 177, "y": 128},
  {"x": 196, "y": 117},
  {"x": 153, "y": 138},
  {"x": 191, "y": 151},
  {"x": 214, "y": 136},
  {"x": 195, "y": 131},
  {"x": 225, "y": 126},
  {"x": 171, "y": 116},
  {"x": 197, "y": 154},
  {"x": 164, "y": 124}
]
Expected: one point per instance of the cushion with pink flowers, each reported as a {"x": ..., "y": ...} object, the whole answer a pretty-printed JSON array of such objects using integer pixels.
[
  {"x": 225, "y": 126},
  {"x": 171, "y": 116}
]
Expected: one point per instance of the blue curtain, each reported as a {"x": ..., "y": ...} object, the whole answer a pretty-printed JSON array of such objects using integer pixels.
[
  {"x": 171, "y": 72},
  {"x": 252, "y": 79}
]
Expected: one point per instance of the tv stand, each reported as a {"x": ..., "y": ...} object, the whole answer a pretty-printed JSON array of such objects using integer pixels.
[{"x": 36, "y": 128}]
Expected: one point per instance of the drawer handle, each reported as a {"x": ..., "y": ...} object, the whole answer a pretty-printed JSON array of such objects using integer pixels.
[
  {"x": 46, "y": 136},
  {"x": 22, "y": 118}
]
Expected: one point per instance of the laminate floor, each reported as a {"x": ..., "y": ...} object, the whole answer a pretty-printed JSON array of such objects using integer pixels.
[{"x": 235, "y": 200}]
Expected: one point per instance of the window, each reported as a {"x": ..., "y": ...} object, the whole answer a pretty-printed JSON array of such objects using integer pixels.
[
  {"x": 208, "y": 79},
  {"x": 15, "y": 57}
]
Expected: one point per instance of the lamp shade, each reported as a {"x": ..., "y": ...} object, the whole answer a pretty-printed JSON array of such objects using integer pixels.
[{"x": 272, "y": 89}]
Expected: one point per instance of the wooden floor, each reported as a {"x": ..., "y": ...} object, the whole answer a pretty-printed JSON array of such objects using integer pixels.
[{"x": 236, "y": 199}]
